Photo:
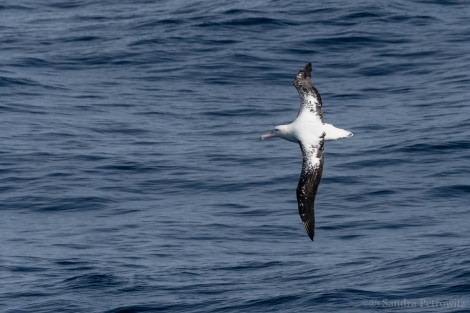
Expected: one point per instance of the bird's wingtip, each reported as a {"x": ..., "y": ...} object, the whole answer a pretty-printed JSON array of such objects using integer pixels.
[
  {"x": 305, "y": 72},
  {"x": 309, "y": 228}
]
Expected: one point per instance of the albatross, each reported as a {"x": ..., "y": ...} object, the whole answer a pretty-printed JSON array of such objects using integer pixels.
[{"x": 309, "y": 131}]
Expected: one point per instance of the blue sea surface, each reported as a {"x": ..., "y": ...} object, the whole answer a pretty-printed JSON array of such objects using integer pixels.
[{"x": 132, "y": 178}]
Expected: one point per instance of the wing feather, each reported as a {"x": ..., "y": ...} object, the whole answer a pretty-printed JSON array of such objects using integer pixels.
[
  {"x": 310, "y": 100},
  {"x": 310, "y": 176}
]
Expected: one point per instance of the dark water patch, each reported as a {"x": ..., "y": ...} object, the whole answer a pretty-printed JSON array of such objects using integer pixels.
[
  {"x": 281, "y": 302},
  {"x": 412, "y": 55},
  {"x": 261, "y": 22},
  {"x": 48, "y": 306},
  {"x": 244, "y": 211},
  {"x": 463, "y": 273},
  {"x": 383, "y": 192},
  {"x": 362, "y": 15},
  {"x": 456, "y": 80},
  {"x": 222, "y": 186},
  {"x": 147, "y": 42},
  {"x": 95, "y": 158},
  {"x": 230, "y": 112},
  {"x": 32, "y": 62},
  {"x": 378, "y": 225},
  {"x": 250, "y": 266},
  {"x": 73, "y": 263},
  {"x": 342, "y": 179},
  {"x": 18, "y": 7},
  {"x": 348, "y": 96},
  {"x": 458, "y": 289},
  {"x": 443, "y": 147},
  {"x": 239, "y": 11},
  {"x": 12, "y": 82},
  {"x": 356, "y": 41},
  {"x": 124, "y": 129},
  {"x": 235, "y": 205},
  {"x": 444, "y": 234},
  {"x": 153, "y": 23},
  {"x": 84, "y": 38},
  {"x": 377, "y": 162},
  {"x": 350, "y": 237},
  {"x": 92, "y": 281},
  {"x": 27, "y": 294},
  {"x": 155, "y": 308},
  {"x": 24, "y": 269},
  {"x": 74, "y": 203},
  {"x": 127, "y": 166},
  {"x": 450, "y": 191},
  {"x": 94, "y": 17},
  {"x": 441, "y": 3},
  {"x": 384, "y": 69},
  {"x": 66, "y": 5},
  {"x": 135, "y": 309}
]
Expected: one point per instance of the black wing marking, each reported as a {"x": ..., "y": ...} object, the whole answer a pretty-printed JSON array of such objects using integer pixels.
[
  {"x": 312, "y": 168},
  {"x": 310, "y": 100}
]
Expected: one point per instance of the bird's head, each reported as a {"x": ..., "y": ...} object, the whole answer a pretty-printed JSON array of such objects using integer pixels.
[{"x": 278, "y": 131}]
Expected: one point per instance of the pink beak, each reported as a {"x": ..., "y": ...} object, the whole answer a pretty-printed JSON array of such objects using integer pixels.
[{"x": 266, "y": 136}]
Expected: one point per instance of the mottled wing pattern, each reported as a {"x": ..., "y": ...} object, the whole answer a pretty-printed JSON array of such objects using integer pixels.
[
  {"x": 310, "y": 100},
  {"x": 312, "y": 168}
]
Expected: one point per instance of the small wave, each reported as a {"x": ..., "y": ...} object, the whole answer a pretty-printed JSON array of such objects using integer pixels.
[
  {"x": 93, "y": 281},
  {"x": 444, "y": 146},
  {"x": 248, "y": 21},
  {"x": 53, "y": 204},
  {"x": 10, "y": 82},
  {"x": 450, "y": 191}
]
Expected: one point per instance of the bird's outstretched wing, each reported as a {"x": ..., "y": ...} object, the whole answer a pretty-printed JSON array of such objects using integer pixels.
[
  {"x": 312, "y": 168},
  {"x": 310, "y": 100}
]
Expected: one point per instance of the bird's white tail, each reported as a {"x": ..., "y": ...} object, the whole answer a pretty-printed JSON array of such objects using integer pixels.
[{"x": 334, "y": 133}]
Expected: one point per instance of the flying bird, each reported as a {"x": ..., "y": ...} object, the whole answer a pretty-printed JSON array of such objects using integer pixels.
[{"x": 309, "y": 131}]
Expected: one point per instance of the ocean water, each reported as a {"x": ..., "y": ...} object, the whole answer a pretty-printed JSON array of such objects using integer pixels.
[{"x": 133, "y": 178}]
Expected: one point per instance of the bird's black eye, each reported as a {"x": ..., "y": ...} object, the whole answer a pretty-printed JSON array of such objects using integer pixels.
[{"x": 276, "y": 129}]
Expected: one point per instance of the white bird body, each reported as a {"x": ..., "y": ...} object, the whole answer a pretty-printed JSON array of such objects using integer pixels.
[{"x": 305, "y": 128}]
